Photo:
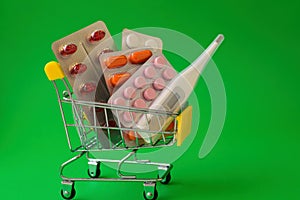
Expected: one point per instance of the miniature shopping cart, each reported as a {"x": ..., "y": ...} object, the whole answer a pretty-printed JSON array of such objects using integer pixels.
[{"x": 90, "y": 141}]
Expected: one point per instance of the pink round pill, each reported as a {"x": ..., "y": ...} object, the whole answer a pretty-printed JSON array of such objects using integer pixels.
[
  {"x": 159, "y": 62},
  {"x": 139, "y": 103},
  {"x": 128, "y": 116},
  {"x": 119, "y": 101},
  {"x": 139, "y": 82},
  {"x": 159, "y": 84},
  {"x": 169, "y": 73},
  {"x": 149, "y": 94},
  {"x": 129, "y": 93},
  {"x": 150, "y": 72}
]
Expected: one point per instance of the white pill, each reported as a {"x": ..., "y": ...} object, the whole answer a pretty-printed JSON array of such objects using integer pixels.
[
  {"x": 151, "y": 43},
  {"x": 132, "y": 41}
]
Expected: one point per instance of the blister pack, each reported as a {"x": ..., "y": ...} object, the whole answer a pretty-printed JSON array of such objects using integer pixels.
[
  {"x": 140, "y": 90},
  {"x": 132, "y": 40},
  {"x": 119, "y": 66},
  {"x": 72, "y": 50},
  {"x": 78, "y": 56}
]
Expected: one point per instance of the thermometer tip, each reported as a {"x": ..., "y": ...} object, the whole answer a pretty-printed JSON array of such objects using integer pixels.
[{"x": 220, "y": 38}]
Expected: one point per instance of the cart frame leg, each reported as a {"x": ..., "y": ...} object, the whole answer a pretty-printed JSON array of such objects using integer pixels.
[{"x": 69, "y": 162}]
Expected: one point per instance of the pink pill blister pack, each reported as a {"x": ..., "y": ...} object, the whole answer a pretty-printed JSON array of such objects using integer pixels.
[{"x": 142, "y": 88}]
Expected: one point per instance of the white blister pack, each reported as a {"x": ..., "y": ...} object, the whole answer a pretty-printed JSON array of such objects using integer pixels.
[{"x": 132, "y": 39}]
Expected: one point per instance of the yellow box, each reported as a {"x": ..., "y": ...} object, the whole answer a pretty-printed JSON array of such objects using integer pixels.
[{"x": 184, "y": 125}]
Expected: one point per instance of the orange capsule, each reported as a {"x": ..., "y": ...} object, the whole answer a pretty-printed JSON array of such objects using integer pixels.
[
  {"x": 170, "y": 129},
  {"x": 115, "y": 61},
  {"x": 129, "y": 135},
  {"x": 140, "y": 57},
  {"x": 119, "y": 78},
  {"x": 171, "y": 126}
]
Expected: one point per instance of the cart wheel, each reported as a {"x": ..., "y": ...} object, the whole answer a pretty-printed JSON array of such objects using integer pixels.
[
  {"x": 150, "y": 196},
  {"x": 95, "y": 173},
  {"x": 167, "y": 179},
  {"x": 68, "y": 195}
]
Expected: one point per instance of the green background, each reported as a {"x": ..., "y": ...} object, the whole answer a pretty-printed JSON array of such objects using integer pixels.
[{"x": 257, "y": 156}]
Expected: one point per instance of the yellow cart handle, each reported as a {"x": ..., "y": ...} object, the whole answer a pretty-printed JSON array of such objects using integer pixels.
[
  {"x": 54, "y": 71},
  {"x": 184, "y": 124}
]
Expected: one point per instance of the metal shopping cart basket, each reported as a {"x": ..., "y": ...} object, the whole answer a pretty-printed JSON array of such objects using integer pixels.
[{"x": 90, "y": 141}]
